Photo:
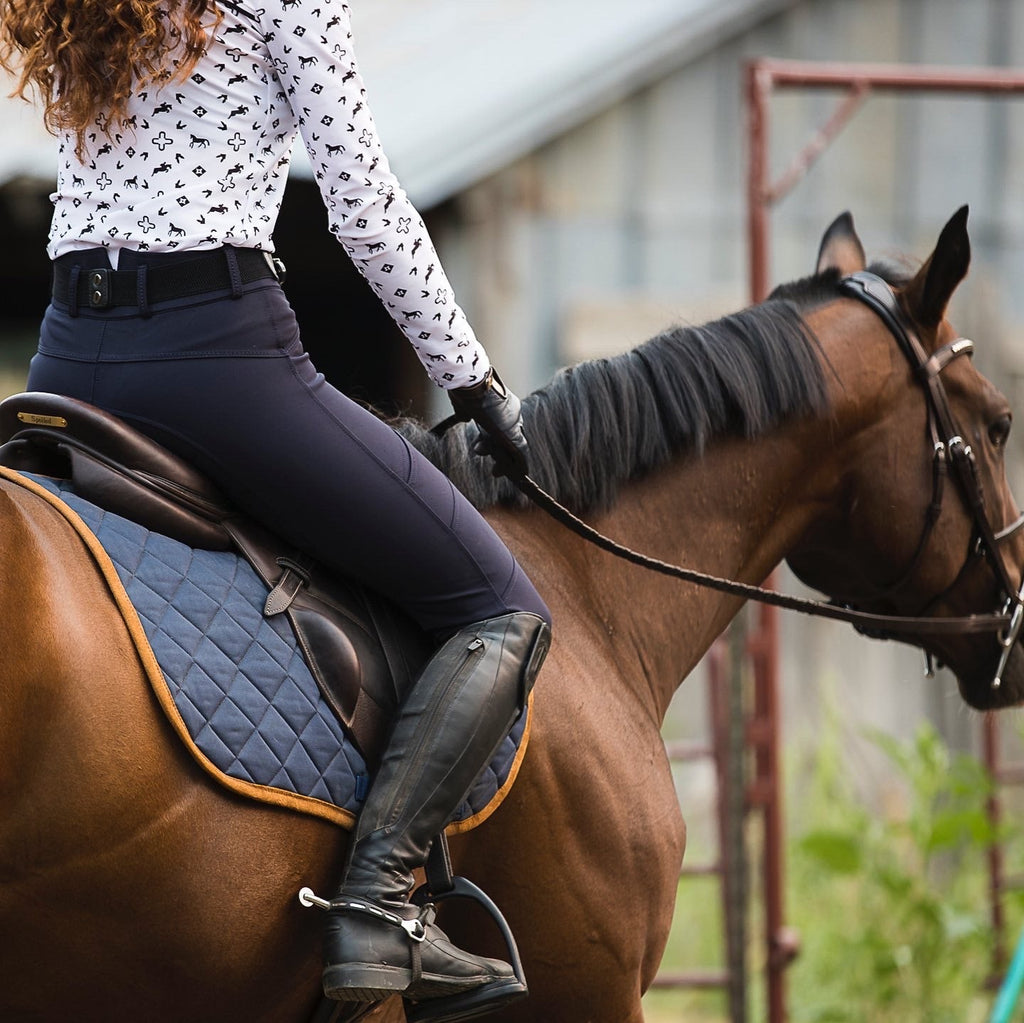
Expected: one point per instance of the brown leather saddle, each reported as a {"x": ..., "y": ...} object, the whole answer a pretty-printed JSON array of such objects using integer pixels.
[{"x": 362, "y": 651}]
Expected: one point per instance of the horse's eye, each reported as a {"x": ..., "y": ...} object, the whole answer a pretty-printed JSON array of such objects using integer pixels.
[{"x": 999, "y": 431}]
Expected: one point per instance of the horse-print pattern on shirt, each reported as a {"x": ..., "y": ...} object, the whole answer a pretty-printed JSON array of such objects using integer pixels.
[{"x": 200, "y": 163}]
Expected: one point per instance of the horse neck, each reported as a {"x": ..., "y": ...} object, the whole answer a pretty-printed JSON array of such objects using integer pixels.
[{"x": 733, "y": 513}]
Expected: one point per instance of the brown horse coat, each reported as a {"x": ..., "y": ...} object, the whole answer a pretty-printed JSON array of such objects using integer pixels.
[{"x": 132, "y": 887}]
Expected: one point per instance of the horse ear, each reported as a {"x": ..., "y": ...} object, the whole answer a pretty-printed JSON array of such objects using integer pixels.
[
  {"x": 841, "y": 248},
  {"x": 929, "y": 292}
]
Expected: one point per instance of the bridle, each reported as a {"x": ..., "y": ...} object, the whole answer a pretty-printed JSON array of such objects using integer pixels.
[{"x": 950, "y": 452}]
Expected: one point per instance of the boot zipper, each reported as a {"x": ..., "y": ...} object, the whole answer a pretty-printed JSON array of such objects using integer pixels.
[{"x": 473, "y": 653}]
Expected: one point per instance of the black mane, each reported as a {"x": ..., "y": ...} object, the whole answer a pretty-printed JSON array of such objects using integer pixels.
[{"x": 603, "y": 422}]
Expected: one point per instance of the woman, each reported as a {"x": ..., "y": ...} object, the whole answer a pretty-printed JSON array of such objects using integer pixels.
[{"x": 175, "y": 122}]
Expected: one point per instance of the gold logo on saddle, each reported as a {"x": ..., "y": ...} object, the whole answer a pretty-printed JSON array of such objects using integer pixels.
[{"x": 37, "y": 420}]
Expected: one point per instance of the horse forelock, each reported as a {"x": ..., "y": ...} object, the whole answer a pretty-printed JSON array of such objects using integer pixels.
[
  {"x": 603, "y": 422},
  {"x": 819, "y": 289}
]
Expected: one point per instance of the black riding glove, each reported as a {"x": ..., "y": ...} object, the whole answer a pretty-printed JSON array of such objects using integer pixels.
[{"x": 498, "y": 414}]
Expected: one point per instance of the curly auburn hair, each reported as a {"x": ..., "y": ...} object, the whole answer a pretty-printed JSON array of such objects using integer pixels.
[{"x": 85, "y": 57}]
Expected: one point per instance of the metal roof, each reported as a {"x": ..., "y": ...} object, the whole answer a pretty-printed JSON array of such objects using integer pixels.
[{"x": 462, "y": 87}]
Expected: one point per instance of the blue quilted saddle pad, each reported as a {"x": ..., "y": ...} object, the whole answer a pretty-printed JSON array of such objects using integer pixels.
[{"x": 239, "y": 681}]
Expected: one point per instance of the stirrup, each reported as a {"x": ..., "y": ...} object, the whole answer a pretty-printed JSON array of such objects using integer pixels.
[{"x": 480, "y": 1000}]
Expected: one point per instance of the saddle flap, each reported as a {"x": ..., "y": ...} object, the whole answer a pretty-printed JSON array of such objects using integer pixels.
[{"x": 346, "y": 633}]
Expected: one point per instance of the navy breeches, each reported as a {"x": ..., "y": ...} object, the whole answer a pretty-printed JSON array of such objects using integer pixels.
[{"x": 224, "y": 382}]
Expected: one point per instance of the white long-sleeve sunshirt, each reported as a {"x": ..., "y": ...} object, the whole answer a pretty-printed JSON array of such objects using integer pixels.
[{"x": 203, "y": 162}]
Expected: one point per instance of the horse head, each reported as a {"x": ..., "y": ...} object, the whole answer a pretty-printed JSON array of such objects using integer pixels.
[{"x": 921, "y": 520}]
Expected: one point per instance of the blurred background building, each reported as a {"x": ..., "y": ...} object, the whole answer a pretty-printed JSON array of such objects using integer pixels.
[{"x": 581, "y": 164}]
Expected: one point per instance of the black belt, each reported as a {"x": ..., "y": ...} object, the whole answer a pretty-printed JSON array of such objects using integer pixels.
[{"x": 98, "y": 288}]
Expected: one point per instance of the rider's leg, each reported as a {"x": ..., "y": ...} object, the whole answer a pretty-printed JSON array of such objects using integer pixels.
[{"x": 449, "y": 728}]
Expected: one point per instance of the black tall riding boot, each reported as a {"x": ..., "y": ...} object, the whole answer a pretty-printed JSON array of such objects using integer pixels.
[{"x": 446, "y": 732}]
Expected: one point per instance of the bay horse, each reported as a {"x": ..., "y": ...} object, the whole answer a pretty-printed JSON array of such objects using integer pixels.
[{"x": 132, "y": 887}]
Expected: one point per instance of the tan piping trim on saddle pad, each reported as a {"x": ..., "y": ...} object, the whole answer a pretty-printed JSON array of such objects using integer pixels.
[
  {"x": 261, "y": 793},
  {"x": 461, "y": 827}
]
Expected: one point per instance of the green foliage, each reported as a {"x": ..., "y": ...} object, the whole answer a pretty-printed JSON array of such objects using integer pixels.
[{"x": 893, "y": 906}]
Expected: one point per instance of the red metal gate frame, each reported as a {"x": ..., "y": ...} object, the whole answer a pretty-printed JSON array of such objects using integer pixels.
[{"x": 763, "y": 77}]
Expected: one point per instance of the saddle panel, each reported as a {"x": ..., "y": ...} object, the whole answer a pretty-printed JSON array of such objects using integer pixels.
[{"x": 363, "y": 653}]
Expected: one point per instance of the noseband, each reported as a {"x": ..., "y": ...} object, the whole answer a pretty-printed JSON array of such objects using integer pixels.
[{"x": 950, "y": 450}]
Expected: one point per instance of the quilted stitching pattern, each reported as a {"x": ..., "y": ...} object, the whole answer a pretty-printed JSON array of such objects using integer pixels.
[{"x": 238, "y": 679}]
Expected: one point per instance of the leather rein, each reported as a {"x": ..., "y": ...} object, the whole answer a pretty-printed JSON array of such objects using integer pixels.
[{"x": 950, "y": 451}]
